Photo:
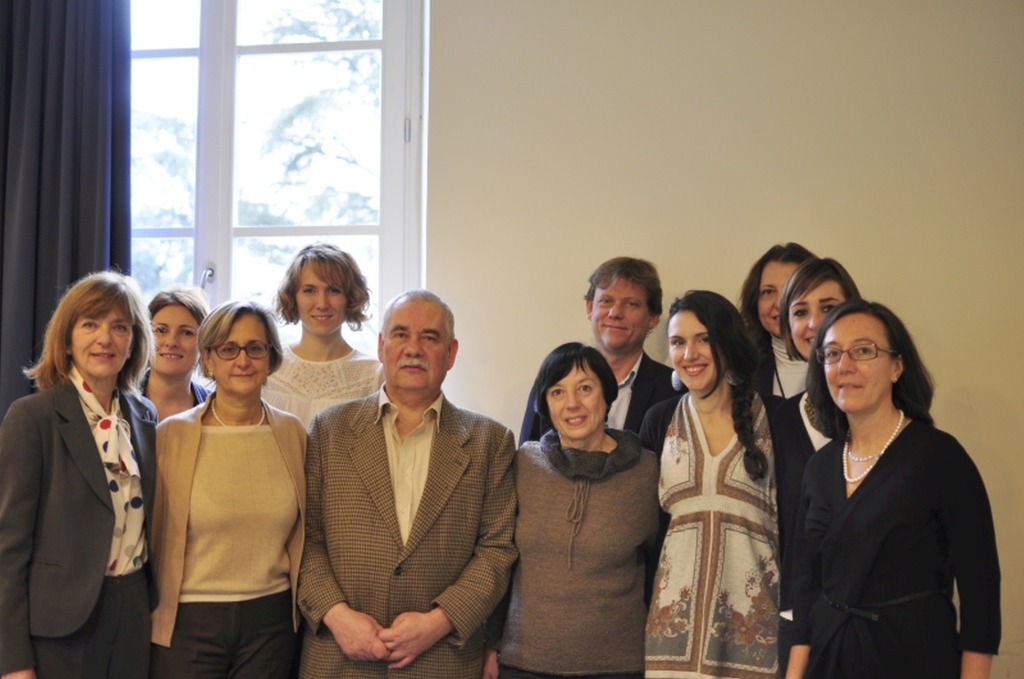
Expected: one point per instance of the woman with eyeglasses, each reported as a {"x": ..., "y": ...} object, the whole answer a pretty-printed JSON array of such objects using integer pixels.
[
  {"x": 813, "y": 289},
  {"x": 714, "y": 611},
  {"x": 894, "y": 511},
  {"x": 229, "y": 514}
]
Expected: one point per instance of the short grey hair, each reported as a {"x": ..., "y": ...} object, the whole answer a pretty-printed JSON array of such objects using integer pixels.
[{"x": 421, "y": 295}]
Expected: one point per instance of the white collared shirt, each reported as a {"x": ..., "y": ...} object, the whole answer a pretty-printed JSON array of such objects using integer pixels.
[
  {"x": 408, "y": 459},
  {"x": 620, "y": 407}
]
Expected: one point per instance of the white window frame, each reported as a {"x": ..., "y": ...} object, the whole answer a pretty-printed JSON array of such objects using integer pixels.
[{"x": 401, "y": 227}]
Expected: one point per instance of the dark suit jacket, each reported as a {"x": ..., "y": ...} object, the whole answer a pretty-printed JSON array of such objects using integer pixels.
[
  {"x": 459, "y": 550},
  {"x": 653, "y": 384},
  {"x": 56, "y": 516}
]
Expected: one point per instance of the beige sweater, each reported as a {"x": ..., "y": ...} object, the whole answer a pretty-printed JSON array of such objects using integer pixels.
[{"x": 177, "y": 449}]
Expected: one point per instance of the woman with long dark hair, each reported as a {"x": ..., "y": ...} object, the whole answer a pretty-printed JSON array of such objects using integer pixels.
[
  {"x": 779, "y": 374},
  {"x": 715, "y": 606}
]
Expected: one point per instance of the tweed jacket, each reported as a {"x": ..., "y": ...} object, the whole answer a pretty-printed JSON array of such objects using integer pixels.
[
  {"x": 177, "y": 444},
  {"x": 652, "y": 385},
  {"x": 460, "y": 546},
  {"x": 57, "y": 516}
]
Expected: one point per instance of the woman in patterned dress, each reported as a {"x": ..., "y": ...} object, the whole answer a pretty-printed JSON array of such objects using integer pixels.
[
  {"x": 79, "y": 464},
  {"x": 324, "y": 290},
  {"x": 715, "y": 603}
]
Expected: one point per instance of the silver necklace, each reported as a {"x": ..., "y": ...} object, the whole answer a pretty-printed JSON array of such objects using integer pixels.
[
  {"x": 213, "y": 409},
  {"x": 847, "y": 453}
]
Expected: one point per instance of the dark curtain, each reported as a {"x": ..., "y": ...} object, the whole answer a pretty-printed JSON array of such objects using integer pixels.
[{"x": 65, "y": 72}]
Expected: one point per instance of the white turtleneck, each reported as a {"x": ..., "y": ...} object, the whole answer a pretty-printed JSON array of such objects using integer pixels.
[{"x": 792, "y": 373}]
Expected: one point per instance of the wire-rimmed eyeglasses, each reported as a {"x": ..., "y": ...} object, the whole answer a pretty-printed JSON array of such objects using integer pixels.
[
  {"x": 866, "y": 351},
  {"x": 230, "y": 351}
]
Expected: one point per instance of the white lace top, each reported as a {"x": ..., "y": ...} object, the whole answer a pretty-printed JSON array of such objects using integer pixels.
[{"x": 304, "y": 388}]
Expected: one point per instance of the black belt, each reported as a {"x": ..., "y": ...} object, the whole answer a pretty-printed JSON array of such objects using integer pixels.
[{"x": 862, "y": 611}]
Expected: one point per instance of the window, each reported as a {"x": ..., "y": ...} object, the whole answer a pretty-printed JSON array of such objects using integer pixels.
[{"x": 259, "y": 126}]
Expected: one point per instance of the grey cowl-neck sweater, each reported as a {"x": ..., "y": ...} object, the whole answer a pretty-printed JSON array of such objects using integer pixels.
[{"x": 585, "y": 519}]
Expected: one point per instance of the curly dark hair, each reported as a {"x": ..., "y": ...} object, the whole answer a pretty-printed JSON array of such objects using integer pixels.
[{"x": 735, "y": 355}]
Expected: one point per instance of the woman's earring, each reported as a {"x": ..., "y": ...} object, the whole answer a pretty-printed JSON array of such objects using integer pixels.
[{"x": 732, "y": 378}]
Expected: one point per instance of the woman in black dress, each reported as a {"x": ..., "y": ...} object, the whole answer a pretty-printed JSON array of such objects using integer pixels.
[
  {"x": 894, "y": 511},
  {"x": 816, "y": 287}
]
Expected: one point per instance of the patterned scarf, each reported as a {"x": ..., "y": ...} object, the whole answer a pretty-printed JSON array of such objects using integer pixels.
[{"x": 113, "y": 441}]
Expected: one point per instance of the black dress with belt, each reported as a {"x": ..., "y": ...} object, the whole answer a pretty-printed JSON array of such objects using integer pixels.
[{"x": 876, "y": 570}]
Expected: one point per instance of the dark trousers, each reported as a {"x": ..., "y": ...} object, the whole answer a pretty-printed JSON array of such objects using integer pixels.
[
  {"x": 786, "y": 634},
  {"x": 113, "y": 643},
  {"x": 506, "y": 672},
  {"x": 237, "y": 640}
]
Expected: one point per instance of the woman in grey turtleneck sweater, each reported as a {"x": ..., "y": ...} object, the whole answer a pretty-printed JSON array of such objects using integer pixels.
[{"x": 588, "y": 519}]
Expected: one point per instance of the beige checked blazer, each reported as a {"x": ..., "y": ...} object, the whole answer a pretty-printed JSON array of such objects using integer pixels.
[{"x": 460, "y": 546}]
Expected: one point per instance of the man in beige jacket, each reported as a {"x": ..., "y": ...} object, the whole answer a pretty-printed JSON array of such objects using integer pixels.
[{"x": 410, "y": 515}]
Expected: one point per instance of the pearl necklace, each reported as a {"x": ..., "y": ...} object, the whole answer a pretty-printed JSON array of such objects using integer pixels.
[
  {"x": 848, "y": 453},
  {"x": 213, "y": 409}
]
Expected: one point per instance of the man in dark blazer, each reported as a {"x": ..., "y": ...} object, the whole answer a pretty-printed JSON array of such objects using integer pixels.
[
  {"x": 410, "y": 515},
  {"x": 623, "y": 306}
]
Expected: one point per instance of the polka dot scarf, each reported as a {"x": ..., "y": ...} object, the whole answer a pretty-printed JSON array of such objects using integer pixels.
[{"x": 113, "y": 440}]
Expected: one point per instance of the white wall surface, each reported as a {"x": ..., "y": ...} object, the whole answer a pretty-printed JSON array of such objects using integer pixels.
[{"x": 697, "y": 134}]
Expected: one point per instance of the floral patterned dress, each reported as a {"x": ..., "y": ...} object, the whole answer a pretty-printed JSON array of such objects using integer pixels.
[{"x": 715, "y": 606}]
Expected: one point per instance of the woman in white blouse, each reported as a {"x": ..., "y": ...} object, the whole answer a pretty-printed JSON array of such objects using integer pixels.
[{"x": 323, "y": 289}]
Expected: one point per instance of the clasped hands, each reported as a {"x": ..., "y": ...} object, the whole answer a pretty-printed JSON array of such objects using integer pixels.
[{"x": 360, "y": 637}]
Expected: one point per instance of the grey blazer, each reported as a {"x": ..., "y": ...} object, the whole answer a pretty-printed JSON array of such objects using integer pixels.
[{"x": 56, "y": 516}]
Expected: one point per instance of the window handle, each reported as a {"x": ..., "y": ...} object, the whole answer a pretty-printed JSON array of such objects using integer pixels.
[{"x": 206, "y": 277}]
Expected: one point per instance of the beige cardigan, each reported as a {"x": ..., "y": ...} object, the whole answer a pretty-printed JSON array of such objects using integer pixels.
[{"x": 177, "y": 447}]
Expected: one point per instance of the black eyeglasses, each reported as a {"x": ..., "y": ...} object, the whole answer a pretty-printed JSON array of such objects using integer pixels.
[
  {"x": 229, "y": 352},
  {"x": 859, "y": 352}
]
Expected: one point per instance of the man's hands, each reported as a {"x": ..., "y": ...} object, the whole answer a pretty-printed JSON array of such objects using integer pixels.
[
  {"x": 360, "y": 637},
  {"x": 356, "y": 633},
  {"x": 411, "y": 634}
]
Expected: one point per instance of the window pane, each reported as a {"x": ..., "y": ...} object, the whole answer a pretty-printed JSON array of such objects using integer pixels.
[
  {"x": 161, "y": 25},
  {"x": 259, "y": 265},
  {"x": 160, "y": 262},
  {"x": 164, "y": 105},
  {"x": 302, "y": 21},
  {"x": 307, "y": 148}
]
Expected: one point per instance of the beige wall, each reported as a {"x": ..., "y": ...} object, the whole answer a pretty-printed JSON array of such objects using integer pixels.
[{"x": 697, "y": 134}]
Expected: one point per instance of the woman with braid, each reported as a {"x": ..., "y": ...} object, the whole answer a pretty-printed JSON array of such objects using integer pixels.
[{"x": 715, "y": 604}]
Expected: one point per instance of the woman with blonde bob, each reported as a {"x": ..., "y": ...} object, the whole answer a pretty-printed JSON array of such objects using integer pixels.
[
  {"x": 76, "y": 491},
  {"x": 323, "y": 289},
  {"x": 175, "y": 314},
  {"x": 893, "y": 512},
  {"x": 229, "y": 514}
]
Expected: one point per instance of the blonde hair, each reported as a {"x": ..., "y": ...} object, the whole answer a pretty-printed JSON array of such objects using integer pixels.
[
  {"x": 217, "y": 326},
  {"x": 94, "y": 296},
  {"x": 336, "y": 267}
]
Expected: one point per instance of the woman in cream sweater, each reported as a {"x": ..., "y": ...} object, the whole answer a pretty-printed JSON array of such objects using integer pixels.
[{"x": 229, "y": 514}]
